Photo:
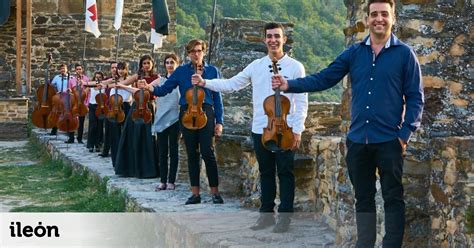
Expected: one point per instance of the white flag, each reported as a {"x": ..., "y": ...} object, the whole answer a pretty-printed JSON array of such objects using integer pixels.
[
  {"x": 118, "y": 14},
  {"x": 155, "y": 38},
  {"x": 92, "y": 19}
]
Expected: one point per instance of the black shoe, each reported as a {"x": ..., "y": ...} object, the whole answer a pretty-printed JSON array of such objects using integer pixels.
[
  {"x": 194, "y": 199},
  {"x": 282, "y": 225},
  {"x": 69, "y": 141},
  {"x": 217, "y": 199},
  {"x": 52, "y": 133},
  {"x": 80, "y": 142},
  {"x": 264, "y": 220},
  {"x": 104, "y": 155}
]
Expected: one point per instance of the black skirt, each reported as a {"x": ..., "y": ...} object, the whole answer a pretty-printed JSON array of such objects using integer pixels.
[{"x": 135, "y": 154}]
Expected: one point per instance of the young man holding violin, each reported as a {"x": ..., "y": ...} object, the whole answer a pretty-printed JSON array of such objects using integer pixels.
[
  {"x": 197, "y": 140},
  {"x": 387, "y": 103},
  {"x": 259, "y": 74},
  {"x": 80, "y": 79}
]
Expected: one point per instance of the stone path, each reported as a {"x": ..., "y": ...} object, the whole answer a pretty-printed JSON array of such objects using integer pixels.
[{"x": 201, "y": 225}]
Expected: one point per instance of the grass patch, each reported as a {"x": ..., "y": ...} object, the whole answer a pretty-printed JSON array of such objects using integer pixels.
[{"x": 52, "y": 186}]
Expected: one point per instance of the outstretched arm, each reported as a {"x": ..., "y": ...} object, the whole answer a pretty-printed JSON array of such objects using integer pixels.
[{"x": 323, "y": 80}]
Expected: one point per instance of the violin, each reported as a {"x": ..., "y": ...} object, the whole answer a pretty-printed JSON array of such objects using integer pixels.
[
  {"x": 101, "y": 111},
  {"x": 141, "y": 111},
  {"x": 116, "y": 113},
  {"x": 67, "y": 122},
  {"x": 79, "y": 107},
  {"x": 44, "y": 94},
  {"x": 277, "y": 136},
  {"x": 194, "y": 117}
]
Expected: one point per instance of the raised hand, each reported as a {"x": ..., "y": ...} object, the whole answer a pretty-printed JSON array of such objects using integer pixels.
[
  {"x": 279, "y": 81},
  {"x": 196, "y": 79},
  {"x": 141, "y": 84}
]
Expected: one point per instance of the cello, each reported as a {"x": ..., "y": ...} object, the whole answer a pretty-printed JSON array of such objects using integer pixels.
[
  {"x": 277, "y": 136},
  {"x": 79, "y": 108},
  {"x": 101, "y": 111},
  {"x": 141, "y": 111},
  {"x": 194, "y": 117},
  {"x": 44, "y": 94},
  {"x": 116, "y": 113},
  {"x": 57, "y": 106},
  {"x": 67, "y": 122}
]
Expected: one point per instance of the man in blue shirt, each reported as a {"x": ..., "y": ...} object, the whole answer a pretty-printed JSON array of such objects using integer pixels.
[
  {"x": 200, "y": 139},
  {"x": 387, "y": 102}
]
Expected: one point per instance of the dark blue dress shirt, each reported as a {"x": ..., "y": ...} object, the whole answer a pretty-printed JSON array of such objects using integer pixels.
[
  {"x": 387, "y": 90},
  {"x": 182, "y": 77}
]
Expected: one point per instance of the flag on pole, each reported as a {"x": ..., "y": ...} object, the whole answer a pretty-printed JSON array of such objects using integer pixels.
[
  {"x": 161, "y": 16},
  {"x": 155, "y": 38},
  {"x": 118, "y": 14},
  {"x": 92, "y": 19},
  {"x": 4, "y": 11}
]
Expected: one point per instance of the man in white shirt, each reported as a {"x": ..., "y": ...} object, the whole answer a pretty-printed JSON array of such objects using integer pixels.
[
  {"x": 60, "y": 83},
  {"x": 259, "y": 73}
]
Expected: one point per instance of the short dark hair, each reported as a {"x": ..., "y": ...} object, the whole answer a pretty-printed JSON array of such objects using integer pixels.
[
  {"x": 391, "y": 2},
  {"x": 78, "y": 65},
  {"x": 172, "y": 56},
  {"x": 272, "y": 25}
]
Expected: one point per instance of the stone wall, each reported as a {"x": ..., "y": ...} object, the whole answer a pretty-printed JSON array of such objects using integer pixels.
[
  {"x": 58, "y": 28},
  {"x": 13, "y": 118}
]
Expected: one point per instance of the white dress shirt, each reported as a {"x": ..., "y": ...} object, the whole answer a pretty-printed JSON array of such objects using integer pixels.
[{"x": 259, "y": 75}]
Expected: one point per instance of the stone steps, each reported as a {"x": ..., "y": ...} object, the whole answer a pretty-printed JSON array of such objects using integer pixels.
[{"x": 201, "y": 225}]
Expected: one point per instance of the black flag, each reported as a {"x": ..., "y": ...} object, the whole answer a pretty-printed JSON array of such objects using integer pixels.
[
  {"x": 4, "y": 11},
  {"x": 161, "y": 15}
]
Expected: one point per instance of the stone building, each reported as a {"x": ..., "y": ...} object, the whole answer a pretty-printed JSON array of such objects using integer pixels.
[
  {"x": 439, "y": 176},
  {"x": 57, "y": 27}
]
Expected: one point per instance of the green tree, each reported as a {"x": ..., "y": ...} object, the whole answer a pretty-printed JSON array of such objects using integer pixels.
[{"x": 318, "y": 27}]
